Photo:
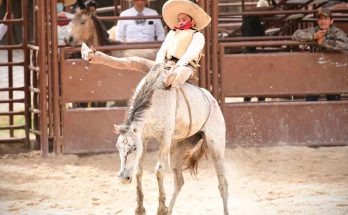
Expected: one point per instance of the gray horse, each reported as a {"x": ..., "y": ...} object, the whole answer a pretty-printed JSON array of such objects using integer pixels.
[{"x": 186, "y": 121}]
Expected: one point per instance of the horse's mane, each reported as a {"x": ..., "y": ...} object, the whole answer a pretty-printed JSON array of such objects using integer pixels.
[
  {"x": 103, "y": 35},
  {"x": 142, "y": 98}
]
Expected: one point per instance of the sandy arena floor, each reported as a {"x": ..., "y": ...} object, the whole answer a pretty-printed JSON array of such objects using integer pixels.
[{"x": 270, "y": 180}]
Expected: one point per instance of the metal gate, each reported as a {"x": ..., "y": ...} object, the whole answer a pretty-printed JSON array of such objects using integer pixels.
[{"x": 14, "y": 94}]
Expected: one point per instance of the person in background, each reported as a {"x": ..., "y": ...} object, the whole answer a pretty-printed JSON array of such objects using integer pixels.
[
  {"x": 63, "y": 22},
  {"x": 3, "y": 27},
  {"x": 91, "y": 7},
  {"x": 326, "y": 37},
  {"x": 139, "y": 30}
]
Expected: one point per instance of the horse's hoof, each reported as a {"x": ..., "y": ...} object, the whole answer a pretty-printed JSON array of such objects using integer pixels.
[
  {"x": 162, "y": 211},
  {"x": 140, "y": 211}
]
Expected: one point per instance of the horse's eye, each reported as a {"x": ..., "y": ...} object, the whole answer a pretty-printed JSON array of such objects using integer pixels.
[{"x": 82, "y": 22}]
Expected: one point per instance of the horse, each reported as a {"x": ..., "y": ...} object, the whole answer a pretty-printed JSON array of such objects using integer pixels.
[
  {"x": 87, "y": 28},
  {"x": 188, "y": 124}
]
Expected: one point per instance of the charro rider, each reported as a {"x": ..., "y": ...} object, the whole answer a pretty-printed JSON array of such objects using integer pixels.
[
  {"x": 183, "y": 45},
  {"x": 180, "y": 51}
]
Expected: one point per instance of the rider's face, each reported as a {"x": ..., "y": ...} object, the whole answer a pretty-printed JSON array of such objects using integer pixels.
[{"x": 183, "y": 19}]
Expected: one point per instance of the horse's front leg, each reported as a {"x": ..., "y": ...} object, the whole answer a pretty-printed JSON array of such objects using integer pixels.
[
  {"x": 159, "y": 169},
  {"x": 140, "y": 210}
]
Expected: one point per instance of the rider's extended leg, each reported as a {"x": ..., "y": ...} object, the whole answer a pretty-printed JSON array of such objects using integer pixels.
[{"x": 129, "y": 63}]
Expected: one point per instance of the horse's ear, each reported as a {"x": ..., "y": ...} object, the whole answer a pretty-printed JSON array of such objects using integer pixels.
[{"x": 116, "y": 129}]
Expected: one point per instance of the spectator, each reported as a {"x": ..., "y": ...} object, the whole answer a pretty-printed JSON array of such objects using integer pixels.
[
  {"x": 91, "y": 7},
  {"x": 326, "y": 36},
  {"x": 64, "y": 27},
  {"x": 3, "y": 27},
  {"x": 139, "y": 30}
]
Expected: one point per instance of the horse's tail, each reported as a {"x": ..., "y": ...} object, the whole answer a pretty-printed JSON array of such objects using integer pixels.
[{"x": 192, "y": 157}]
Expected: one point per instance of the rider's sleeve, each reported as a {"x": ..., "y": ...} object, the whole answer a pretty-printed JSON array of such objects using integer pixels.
[
  {"x": 161, "y": 54},
  {"x": 194, "y": 50}
]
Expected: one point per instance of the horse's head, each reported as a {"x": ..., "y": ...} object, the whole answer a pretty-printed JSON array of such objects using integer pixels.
[
  {"x": 129, "y": 145},
  {"x": 82, "y": 27}
]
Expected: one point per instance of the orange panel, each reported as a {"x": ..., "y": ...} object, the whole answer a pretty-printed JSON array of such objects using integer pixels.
[
  {"x": 82, "y": 81},
  {"x": 284, "y": 74},
  {"x": 295, "y": 123}
]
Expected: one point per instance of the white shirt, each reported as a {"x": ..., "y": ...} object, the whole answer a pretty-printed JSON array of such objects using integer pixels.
[
  {"x": 3, "y": 30},
  {"x": 192, "y": 53},
  {"x": 129, "y": 31},
  {"x": 64, "y": 31},
  {"x": 262, "y": 3}
]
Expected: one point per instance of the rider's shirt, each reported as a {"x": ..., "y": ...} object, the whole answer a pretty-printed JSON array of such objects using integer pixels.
[{"x": 185, "y": 45}]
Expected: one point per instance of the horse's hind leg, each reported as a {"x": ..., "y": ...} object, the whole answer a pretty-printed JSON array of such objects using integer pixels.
[
  {"x": 216, "y": 145},
  {"x": 177, "y": 152}
]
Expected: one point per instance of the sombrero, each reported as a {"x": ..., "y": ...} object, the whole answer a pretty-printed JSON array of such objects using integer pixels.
[
  {"x": 172, "y": 8},
  {"x": 69, "y": 2}
]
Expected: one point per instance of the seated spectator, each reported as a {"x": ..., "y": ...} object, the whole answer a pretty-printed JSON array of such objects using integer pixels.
[
  {"x": 326, "y": 36},
  {"x": 139, "y": 30},
  {"x": 64, "y": 27}
]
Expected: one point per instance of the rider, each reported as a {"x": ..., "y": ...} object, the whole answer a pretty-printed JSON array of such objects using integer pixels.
[
  {"x": 180, "y": 50},
  {"x": 183, "y": 45}
]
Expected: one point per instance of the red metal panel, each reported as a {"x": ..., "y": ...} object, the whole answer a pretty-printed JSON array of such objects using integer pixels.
[
  {"x": 284, "y": 74},
  {"x": 295, "y": 123},
  {"x": 95, "y": 82},
  {"x": 343, "y": 26},
  {"x": 90, "y": 130}
]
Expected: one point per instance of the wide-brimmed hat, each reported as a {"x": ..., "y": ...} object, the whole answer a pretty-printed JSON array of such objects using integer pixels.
[
  {"x": 172, "y": 8},
  {"x": 147, "y": 0},
  {"x": 324, "y": 12},
  {"x": 69, "y": 2}
]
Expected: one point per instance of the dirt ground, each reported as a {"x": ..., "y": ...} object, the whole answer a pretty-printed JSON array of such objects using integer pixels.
[{"x": 270, "y": 180}]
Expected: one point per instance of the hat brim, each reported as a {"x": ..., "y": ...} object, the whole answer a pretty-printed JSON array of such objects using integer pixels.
[
  {"x": 171, "y": 10},
  {"x": 69, "y": 2}
]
